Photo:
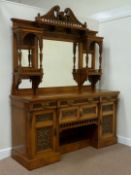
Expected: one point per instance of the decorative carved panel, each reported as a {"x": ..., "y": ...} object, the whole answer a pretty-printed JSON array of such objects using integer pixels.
[
  {"x": 64, "y": 18},
  {"x": 107, "y": 124},
  {"x": 44, "y": 138}
]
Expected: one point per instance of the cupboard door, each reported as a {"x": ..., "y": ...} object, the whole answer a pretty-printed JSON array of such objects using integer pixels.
[
  {"x": 107, "y": 120},
  {"x": 45, "y": 131}
]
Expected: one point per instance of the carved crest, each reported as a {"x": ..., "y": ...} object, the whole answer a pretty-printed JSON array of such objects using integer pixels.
[{"x": 64, "y": 18}]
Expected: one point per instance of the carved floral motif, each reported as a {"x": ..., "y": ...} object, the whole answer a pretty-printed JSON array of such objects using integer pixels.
[{"x": 60, "y": 18}]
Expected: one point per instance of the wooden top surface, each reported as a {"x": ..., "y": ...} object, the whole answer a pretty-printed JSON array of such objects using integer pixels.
[{"x": 58, "y": 96}]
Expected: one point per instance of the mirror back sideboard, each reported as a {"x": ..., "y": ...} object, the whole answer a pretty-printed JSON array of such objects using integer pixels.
[{"x": 49, "y": 121}]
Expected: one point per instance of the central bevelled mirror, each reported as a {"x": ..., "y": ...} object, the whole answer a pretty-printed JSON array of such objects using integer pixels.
[{"x": 57, "y": 63}]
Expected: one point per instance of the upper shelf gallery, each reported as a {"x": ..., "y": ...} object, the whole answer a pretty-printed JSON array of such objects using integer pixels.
[{"x": 61, "y": 26}]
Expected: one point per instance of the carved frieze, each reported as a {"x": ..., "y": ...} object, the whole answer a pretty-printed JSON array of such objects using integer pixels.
[{"x": 64, "y": 18}]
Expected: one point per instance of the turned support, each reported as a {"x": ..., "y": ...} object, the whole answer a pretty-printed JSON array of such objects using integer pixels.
[
  {"x": 41, "y": 53},
  {"x": 100, "y": 57},
  {"x": 74, "y": 55}
]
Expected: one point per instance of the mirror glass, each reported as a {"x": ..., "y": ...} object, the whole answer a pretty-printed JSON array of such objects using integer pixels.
[
  {"x": 89, "y": 60},
  {"x": 97, "y": 55},
  {"x": 57, "y": 63},
  {"x": 24, "y": 56}
]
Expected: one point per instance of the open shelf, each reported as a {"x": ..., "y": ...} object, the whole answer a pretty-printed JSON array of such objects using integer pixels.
[{"x": 73, "y": 135}]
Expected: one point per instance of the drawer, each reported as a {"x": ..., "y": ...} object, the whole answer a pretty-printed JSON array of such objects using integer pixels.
[
  {"x": 78, "y": 101},
  {"x": 43, "y": 105},
  {"x": 88, "y": 111},
  {"x": 108, "y": 98},
  {"x": 44, "y": 118},
  {"x": 68, "y": 115}
]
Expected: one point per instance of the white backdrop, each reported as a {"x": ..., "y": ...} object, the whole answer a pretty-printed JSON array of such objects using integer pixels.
[
  {"x": 7, "y": 11},
  {"x": 117, "y": 70}
]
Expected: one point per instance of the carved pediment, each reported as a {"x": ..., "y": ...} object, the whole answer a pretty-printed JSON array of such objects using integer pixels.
[{"x": 64, "y": 18}]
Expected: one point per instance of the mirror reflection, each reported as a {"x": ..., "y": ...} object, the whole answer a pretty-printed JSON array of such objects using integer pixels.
[
  {"x": 26, "y": 58},
  {"x": 57, "y": 63}
]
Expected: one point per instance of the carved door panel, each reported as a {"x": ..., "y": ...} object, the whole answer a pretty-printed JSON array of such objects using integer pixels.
[
  {"x": 45, "y": 133},
  {"x": 107, "y": 120}
]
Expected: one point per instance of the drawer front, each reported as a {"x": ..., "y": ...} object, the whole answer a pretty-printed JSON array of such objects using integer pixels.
[
  {"x": 52, "y": 104},
  {"x": 78, "y": 113},
  {"x": 88, "y": 111},
  {"x": 78, "y": 101},
  {"x": 43, "y": 105},
  {"x": 109, "y": 98},
  {"x": 68, "y": 114},
  {"x": 45, "y": 116}
]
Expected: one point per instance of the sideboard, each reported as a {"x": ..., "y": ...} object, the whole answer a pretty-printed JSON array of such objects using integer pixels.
[{"x": 46, "y": 126}]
